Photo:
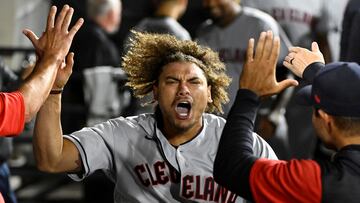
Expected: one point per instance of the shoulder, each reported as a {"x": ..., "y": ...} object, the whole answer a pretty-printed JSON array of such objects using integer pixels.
[
  {"x": 143, "y": 121},
  {"x": 214, "y": 121}
]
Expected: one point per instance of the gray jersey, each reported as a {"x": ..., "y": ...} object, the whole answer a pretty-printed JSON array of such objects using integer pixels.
[
  {"x": 159, "y": 25},
  {"x": 163, "y": 25},
  {"x": 147, "y": 168},
  {"x": 231, "y": 42},
  {"x": 297, "y": 18}
]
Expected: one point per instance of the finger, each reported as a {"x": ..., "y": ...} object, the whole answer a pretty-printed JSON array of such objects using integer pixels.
[
  {"x": 69, "y": 62},
  {"x": 76, "y": 28},
  {"x": 260, "y": 45},
  {"x": 51, "y": 18},
  {"x": 268, "y": 45},
  {"x": 315, "y": 47},
  {"x": 250, "y": 50},
  {"x": 285, "y": 84},
  {"x": 32, "y": 37},
  {"x": 295, "y": 49},
  {"x": 67, "y": 19},
  {"x": 60, "y": 18},
  {"x": 288, "y": 65},
  {"x": 288, "y": 59},
  {"x": 292, "y": 54},
  {"x": 275, "y": 51}
]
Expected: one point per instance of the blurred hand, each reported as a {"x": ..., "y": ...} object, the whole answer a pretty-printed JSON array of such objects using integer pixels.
[
  {"x": 299, "y": 58},
  {"x": 259, "y": 73},
  {"x": 55, "y": 42}
]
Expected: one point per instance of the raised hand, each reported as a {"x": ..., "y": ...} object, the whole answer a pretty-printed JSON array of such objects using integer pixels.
[
  {"x": 63, "y": 74},
  {"x": 299, "y": 58},
  {"x": 259, "y": 72},
  {"x": 57, "y": 38}
]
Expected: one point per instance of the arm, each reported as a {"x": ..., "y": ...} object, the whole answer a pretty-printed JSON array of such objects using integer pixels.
[
  {"x": 254, "y": 178},
  {"x": 51, "y": 49},
  {"x": 261, "y": 180},
  {"x": 37, "y": 87},
  {"x": 52, "y": 152}
]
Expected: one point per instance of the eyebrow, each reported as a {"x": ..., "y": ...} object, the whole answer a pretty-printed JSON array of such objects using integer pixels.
[{"x": 177, "y": 79}]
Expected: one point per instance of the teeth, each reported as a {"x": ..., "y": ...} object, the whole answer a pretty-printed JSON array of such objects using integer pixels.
[{"x": 183, "y": 108}]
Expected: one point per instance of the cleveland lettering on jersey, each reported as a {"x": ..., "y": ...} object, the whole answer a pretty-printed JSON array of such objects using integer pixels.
[
  {"x": 193, "y": 187},
  {"x": 159, "y": 173},
  {"x": 292, "y": 15},
  {"x": 205, "y": 188}
]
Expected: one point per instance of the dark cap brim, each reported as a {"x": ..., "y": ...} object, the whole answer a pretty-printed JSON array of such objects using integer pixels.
[{"x": 303, "y": 96}]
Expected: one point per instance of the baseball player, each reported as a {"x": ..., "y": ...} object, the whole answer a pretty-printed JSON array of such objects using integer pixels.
[
  {"x": 228, "y": 31},
  {"x": 303, "y": 22},
  {"x": 335, "y": 101},
  {"x": 166, "y": 156}
]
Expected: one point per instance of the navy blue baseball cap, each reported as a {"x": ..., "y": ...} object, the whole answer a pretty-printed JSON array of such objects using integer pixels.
[{"x": 335, "y": 89}]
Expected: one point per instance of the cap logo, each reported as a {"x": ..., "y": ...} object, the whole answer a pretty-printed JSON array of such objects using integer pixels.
[{"x": 317, "y": 99}]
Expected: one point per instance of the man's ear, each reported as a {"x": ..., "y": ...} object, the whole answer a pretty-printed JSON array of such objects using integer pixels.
[
  {"x": 155, "y": 92},
  {"x": 209, "y": 94},
  {"x": 328, "y": 120},
  {"x": 323, "y": 115}
]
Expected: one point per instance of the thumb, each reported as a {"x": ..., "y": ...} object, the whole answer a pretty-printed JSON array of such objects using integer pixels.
[
  {"x": 31, "y": 36},
  {"x": 286, "y": 83},
  {"x": 315, "y": 47}
]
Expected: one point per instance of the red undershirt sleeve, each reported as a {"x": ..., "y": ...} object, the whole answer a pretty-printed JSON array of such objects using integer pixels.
[
  {"x": 12, "y": 114},
  {"x": 286, "y": 181}
]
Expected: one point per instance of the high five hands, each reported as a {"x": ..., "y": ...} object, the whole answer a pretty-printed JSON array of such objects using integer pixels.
[
  {"x": 55, "y": 42},
  {"x": 259, "y": 72},
  {"x": 299, "y": 58}
]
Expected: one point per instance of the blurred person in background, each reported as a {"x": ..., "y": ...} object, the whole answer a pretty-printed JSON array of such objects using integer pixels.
[
  {"x": 228, "y": 31},
  {"x": 350, "y": 38},
  {"x": 94, "y": 48},
  {"x": 304, "y": 22}
]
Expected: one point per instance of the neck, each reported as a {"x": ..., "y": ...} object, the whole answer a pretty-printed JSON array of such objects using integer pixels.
[
  {"x": 230, "y": 16},
  {"x": 349, "y": 140},
  {"x": 168, "y": 11},
  {"x": 177, "y": 136}
]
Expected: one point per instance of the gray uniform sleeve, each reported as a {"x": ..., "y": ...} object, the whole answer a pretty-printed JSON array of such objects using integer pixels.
[
  {"x": 95, "y": 145},
  {"x": 262, "y": 148}
]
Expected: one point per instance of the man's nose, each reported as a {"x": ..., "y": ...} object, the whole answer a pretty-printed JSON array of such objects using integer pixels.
[{"x": 183, "y": 90}]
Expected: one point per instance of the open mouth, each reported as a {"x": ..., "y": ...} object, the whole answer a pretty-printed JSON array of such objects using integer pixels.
[{"x": 183, "y": 109}]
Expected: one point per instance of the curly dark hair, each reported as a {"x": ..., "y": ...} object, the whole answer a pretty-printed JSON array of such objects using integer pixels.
[{"x": 148, "y": 53}]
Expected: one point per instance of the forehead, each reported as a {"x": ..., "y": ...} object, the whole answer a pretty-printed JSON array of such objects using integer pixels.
[{"x": 182, "y": 69}]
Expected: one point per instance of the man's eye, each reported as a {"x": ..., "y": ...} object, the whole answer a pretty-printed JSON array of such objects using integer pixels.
[
  {"x": 196, "y": 82},
  {"x": 170, "y": 81}
]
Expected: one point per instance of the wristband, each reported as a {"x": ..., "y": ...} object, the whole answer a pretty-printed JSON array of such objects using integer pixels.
[{"x": 56, "y": 91}]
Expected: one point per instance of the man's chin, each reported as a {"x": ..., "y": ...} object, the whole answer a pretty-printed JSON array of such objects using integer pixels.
[{"x": 113, "y": 30}]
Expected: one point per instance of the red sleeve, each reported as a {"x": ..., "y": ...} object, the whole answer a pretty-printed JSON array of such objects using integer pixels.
[
  {"x": 12, "y": 114},
  {"x": 282, "y": 181}
]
